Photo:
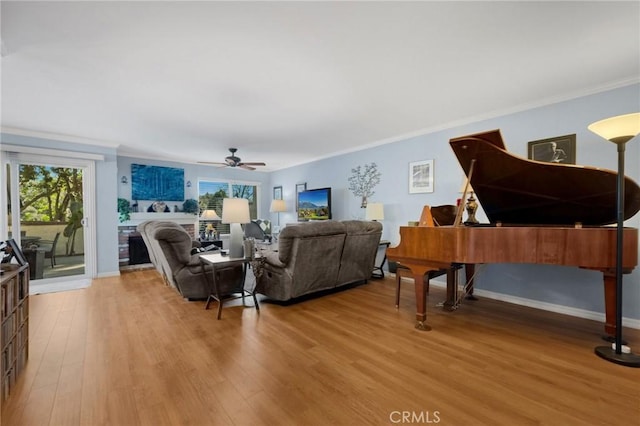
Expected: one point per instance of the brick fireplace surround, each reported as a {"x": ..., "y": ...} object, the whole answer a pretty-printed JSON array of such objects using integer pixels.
[{"x": 188, "y": 221}]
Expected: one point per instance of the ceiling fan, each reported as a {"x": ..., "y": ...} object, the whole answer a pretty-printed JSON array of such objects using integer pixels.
[{"x": 233, "y": 161}]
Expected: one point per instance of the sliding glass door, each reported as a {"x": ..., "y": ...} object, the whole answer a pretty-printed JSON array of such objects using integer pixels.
[{"x": 47, "y": 201}]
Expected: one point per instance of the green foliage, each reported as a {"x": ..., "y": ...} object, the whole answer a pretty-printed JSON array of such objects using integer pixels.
[
  {"x": 46, "y": 193},
  {"x": 73, "y": 224},
  {"x": 190, "y": 206},
  {"x": 213, "y": 201},
  {"x": 124, "y": 209}
]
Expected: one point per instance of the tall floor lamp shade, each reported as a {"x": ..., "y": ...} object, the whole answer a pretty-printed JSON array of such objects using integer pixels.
[
  {"x": 278, "y": 206},
  {"x": 235, "y": 211},
  {"x": 619, "y": 130}
]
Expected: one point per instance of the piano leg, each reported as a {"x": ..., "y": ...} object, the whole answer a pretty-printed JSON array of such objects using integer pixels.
[
  {"x": 421, "y": 302},
  {"x": 452, "y": 291},
  {"x": 469, "y": 271}
]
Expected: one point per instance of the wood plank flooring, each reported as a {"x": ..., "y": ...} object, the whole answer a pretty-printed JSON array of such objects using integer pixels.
[{"x": 130, "y": 351}]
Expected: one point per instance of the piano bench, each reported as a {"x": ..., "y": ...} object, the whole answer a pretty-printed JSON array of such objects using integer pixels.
[{"x": 403, "y": 271}]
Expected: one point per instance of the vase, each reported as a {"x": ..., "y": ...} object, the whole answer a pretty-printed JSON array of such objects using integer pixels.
[{"x": 363, "y": 205}]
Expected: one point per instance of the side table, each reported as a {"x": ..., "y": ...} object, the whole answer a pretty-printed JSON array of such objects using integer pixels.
[
  {"x": 378, "y": 272},
  {"x": 218, "y": 261}
]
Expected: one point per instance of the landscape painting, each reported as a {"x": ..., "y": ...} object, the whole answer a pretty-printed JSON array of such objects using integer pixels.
[{"x": 157, "y": 183}]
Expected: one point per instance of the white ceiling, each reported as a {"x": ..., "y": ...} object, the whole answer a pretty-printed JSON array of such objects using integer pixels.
[{"x": 290, "y": 82}]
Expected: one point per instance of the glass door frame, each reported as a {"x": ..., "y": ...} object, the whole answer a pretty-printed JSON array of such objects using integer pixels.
[{"x": 14, "y": 159}]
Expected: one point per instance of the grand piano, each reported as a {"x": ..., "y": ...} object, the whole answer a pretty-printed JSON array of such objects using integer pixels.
[{"x": 547, "y": 213}]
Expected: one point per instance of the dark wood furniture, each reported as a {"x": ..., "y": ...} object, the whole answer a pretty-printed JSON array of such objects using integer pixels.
[
  {"x": 522, "y": 199},
  {"x": 14, "y": 329}
]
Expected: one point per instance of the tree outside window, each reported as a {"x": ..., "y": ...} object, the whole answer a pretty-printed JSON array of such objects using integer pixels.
[{"x": 211, "y": 194}]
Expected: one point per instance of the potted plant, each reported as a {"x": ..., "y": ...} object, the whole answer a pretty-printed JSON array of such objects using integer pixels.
[
  {"x": 190, "y": 206},
  {"x": 124, "y": 210}
]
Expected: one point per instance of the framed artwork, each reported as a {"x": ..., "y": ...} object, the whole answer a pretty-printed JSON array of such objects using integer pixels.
[
  {"x": 561, "y": 149},
  {"x": 157, "y": 183},
  {"x": 277, "y": 193},
  {"x": 299, "y": 188},
  {"x": 421, "y": 177}
]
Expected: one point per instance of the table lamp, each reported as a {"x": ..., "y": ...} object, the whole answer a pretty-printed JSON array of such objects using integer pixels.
[
  {"x": 235, "y": 211},
  {"x": 209, "y": 215},
  {"x": 471, "y": 205},
  {"x": 619, "y": 130},
  {"x": 374, "y": 211}
]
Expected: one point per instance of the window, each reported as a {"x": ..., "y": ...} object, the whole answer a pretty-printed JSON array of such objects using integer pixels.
[{"x": 211, "y": 194}]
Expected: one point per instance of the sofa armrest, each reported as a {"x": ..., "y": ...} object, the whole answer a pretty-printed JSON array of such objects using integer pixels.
[{"x": 272, "y": 258}]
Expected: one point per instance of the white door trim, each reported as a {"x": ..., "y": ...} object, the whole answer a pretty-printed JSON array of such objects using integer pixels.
[{"x": 88, "y": 187}]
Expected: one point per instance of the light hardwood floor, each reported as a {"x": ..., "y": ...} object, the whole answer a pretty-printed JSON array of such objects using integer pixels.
[{"x": 130, "y": 351}]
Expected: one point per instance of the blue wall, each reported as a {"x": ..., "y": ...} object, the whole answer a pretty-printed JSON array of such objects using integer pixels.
[
  {"x": 571, "y": 287},
  {"x": 568, "y": 286}
]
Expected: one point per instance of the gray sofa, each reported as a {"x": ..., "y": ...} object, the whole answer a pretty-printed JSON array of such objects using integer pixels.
[
  {"x": 170, "y": 248},
  {"x": 317, "y": 256}
]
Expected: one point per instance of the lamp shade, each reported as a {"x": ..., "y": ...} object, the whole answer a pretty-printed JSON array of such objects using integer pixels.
[
  {"x": 374, "y": 211},
  {"x": 235, "y": 210},
  {"x": 209, "y": 215},
  {"x": 464, "y": 185},
  {"x": 278, "y": 206},
  {"x": 617, "y": 129}
]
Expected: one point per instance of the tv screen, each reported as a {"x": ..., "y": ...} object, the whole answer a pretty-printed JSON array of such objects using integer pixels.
[{"x": 314, "y": 204}]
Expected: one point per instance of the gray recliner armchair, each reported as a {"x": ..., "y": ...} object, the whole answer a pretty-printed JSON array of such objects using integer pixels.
[{"x": 172, "y": 250}]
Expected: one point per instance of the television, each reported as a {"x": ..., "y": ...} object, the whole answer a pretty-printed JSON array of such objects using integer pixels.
[{"x": 314, "y": 204}]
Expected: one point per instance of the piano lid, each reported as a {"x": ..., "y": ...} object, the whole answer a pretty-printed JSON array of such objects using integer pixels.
[{"x": 515, "y": 190}]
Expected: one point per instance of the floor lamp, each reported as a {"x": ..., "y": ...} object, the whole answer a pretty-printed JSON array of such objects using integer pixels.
[
  {"x": 619, "y": 130},
  {"x": 235, "y": 211},
  {"x": 278, "y": 206}
]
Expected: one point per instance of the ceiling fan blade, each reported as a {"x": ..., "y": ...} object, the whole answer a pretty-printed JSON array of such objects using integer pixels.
[
  {"x": 244, "y": 166},
  {"x": 213, "y": 163},
  {"x": 252, "y": 164}
]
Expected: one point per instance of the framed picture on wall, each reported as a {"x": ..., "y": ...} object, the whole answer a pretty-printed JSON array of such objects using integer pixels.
[
  {"x": 299, "y": 188},
  {"x": 561, "y": 149},
  {"x": 421, "y": 177},
  {"x": 277, "y": 193}
]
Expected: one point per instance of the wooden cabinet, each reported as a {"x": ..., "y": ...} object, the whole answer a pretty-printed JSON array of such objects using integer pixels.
[{"x": 14, "y": 331}]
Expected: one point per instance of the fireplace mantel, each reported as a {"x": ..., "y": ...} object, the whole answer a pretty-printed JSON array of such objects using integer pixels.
[{"x": 180, "y": 218}]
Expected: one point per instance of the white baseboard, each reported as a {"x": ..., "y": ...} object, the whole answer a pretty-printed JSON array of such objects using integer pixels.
[
  {"x": 108, "y": 274},
  {"x": 545, "y": 306}
]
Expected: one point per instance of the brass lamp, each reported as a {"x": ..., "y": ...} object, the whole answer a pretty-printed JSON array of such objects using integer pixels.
[
  {"x": 209, "y": 215},
  {"x": 619, "y": 130},
  {"x": 471, "y": 205}
]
